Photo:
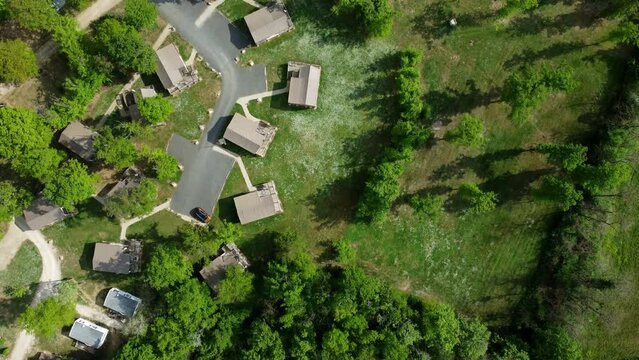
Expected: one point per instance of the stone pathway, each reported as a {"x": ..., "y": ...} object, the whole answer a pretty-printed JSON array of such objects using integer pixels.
[
  {"x": 126, "y": 223},
  {"x": 240, "y": 163},
  {"x": 244, "y": 101}
]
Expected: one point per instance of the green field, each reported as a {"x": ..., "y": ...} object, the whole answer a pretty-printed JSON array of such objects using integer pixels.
[
  {"x": 22, "y": 273},
  {"x": 479, "y": 263}
]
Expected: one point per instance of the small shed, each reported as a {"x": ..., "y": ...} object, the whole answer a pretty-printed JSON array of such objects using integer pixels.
[
  {"x": 79, "y": 139},
  {"x": 128, "y": 105},
  {"x": 268, "y": 23},
  {"x": 254, "y": 136},
  {"x": 229, "y": 255},
  {"x": 122, "y": 302},
  {"x": 43, "y": 212},
  {"x": 173, "y": 72},
  {"x": 118, "y": 258},
  {"x": 88, "y": 333},
  {"x": 304, "y": 82},
  {"x": 259, "y": 204}
]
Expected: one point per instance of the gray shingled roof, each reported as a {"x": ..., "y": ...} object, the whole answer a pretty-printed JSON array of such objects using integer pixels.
[
  {"x": 114, "y": 258},
  {"x": 43, "y": 212},
  {"x": 79, "y": 139},
  {"x": 268, "y": 22},
  {"x": 174, "y": 74},
  {"x": 122, "y": 302},
  {"x": 259, "y": 204},
  {"x": 88, "y": 333},
  {"x": 304, "y": 85},
  {"x": 254, "y": 136}
]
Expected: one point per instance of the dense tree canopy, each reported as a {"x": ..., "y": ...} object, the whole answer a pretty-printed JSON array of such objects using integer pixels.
[
  {"x": 133, "y": 202},
  {"x": 156, "y": 109},
  {"x": 374, "y": 16},
  {"x": 118, "y": 152},
  {"x": 33, "y": 14},
  {"x": 70, "y": 185},
  {"x": 12, "y": 200},
  {"x": 478, "y": 201},
  {"x": 560, "y": 191},
  {"x": 236, "y": 287},
  {"x": 165, "y": 166},
  {"x": 17, "y": 62},
  {"x": 21, "y": 131},
  {"x": 48, "y": 317},
  {"x": 40, "y": 164},
  {"x": 524, "y": 90},
  {"x": 469, "y": 132},
  {"x": 124, "y": 47},
  {"x": 167, "y": 267},
  {"x": 140, "y": 14},
  {"x": 566, "y": 156}
]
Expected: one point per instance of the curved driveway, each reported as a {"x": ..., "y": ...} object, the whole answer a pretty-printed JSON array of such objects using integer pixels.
[{"x": 218, "y": 42}]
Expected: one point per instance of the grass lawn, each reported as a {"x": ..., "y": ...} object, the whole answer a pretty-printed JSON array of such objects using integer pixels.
[
  {"x": 23, "y": 271},
  {"x": 480, "y": 264},
  {"x": 235, "y": 10}
]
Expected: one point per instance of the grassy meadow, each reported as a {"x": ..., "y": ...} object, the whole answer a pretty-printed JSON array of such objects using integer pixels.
[{"x": 479, "y": 263}]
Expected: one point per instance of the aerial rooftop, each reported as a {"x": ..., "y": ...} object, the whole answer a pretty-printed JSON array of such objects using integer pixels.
[
  {"x": 79, "y": 139},
  {"x": 122, "y": 302},
  {"x": 119, "y": 258},
  {"x": 214, "y": 272},
  {"x": 130, "y": 178},
  {"x": 174, "y": 74},
  {"x": 268, "y": 22},
  {"x": 254, "y": 136},
  {"x": 259, "y": 204},
  {"x": 43, "y": 212},
  {"x": 304, "y": 84},
  {"x": 88, "y": 333}
]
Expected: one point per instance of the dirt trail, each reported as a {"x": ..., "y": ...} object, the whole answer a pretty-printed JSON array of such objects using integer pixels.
[{"x": 10, "y": 244}]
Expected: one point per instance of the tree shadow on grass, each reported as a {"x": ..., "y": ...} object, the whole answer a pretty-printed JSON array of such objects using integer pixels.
[
  {"x": 336, "y": 201},
  {"x": 480, "y": 165},
  {"x": 586, "y": 15},
  {"x": 450, "y": 102},
  {"x": 511, "y": 187},
  {"x": 434, "y": 22},
  {"x": 528, "y": 56},
  {"x": 260, "y": 249},
  {"x": 377, "y": 94},
  {"x": 12, "y": 307}
]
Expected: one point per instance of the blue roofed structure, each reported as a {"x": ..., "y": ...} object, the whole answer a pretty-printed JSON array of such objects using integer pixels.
[{"x": 122, "y": 302}]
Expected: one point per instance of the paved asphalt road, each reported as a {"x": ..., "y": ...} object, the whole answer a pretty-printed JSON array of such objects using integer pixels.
[{"x": 218, "y": 42}]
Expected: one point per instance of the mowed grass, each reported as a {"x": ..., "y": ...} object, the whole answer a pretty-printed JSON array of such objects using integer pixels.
[
  {"x": 479, "y": 263},
  {"x": 612, "y": 331},
  {"x": 235, "y": 10},
  {"x": 23, "y": 271}
]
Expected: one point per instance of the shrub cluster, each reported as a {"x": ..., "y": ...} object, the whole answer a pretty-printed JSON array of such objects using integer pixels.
[
  {"x": 382, "y": 187},
  {"x": 375, "y": 16}
]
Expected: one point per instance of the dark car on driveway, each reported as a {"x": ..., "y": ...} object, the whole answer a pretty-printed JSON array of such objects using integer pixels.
[{"x": 201, "y": 215}]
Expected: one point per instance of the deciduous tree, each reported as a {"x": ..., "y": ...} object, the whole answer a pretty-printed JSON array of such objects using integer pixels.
[
  {"x": 133, "y": 202},
  {"x": 167, "y": 267},
  {"x": 137, "y": 348},
  {"x": 558, "y": 190},
  {"x": 478, "y": 201},
  {"x": 17, "y": 62},
  {"x": 191, "y": 305},
  {"x": 375, "y": 16},
  {"x": 236, "y": 287},
  {"x": 70, "y": 185},
  {"x": 21, "y": 131},
  {"x": 48, "y": 317},
  {"x": 473, "y": 340},
  {"x": 441, "y": 328},
  {"x": 567, "y": 156},
  {"x": 428, "y": 206},
  {"x": 124, "y": 47},
  {"x": 115, "y": 151},
  {"x": 41, "y": 164},
  {"x": 140, "y": 14},
  {"x": 33, "y": 14},
  {"x": 156, "y": 109},
  {"x": 165, "y": 166},
  {"x": 12, "y": 200},
  {"x": 469, "y": 132},
  {"x": 264, "y": 343},
  {"x": 602, "y": 178}
]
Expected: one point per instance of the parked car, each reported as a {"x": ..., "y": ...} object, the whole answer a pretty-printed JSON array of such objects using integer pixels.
[{"x": 201, "y": 215}]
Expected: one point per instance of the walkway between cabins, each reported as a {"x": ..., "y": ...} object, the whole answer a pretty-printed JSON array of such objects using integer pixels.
[
  {"x": 156, "y": 45},
  {"x": 244, "y": 100}
]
